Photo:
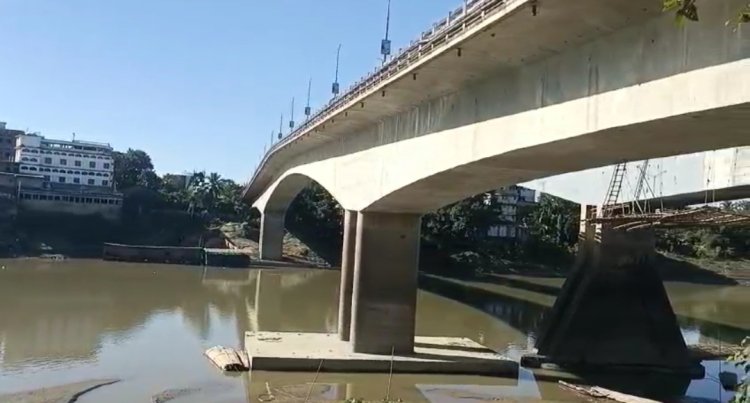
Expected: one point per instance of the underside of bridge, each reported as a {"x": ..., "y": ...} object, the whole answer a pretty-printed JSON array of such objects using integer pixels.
[{"x": 622, "y": 84}]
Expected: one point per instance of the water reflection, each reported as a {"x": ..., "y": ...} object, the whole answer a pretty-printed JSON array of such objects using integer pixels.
[{"x": 149, "y": 324}]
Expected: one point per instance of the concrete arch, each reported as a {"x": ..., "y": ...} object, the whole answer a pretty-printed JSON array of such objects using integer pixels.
[
  {"x": 273, "y": 205},
  {"x": 277, "y": 198}
]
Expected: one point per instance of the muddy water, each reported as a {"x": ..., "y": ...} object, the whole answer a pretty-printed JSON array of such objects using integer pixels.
[{"x": 148, "y": 325}]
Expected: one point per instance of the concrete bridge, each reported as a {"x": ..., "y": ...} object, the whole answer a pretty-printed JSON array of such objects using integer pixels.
[{"x": 506, "y": 92}]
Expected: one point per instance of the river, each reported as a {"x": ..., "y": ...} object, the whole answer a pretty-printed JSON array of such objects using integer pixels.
[{"x": 148, "y": 325}]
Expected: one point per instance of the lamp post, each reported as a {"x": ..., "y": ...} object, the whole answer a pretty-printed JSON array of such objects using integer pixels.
[
  {"x": 385, "y": 44},
  {"x": 335, "y": 85}
]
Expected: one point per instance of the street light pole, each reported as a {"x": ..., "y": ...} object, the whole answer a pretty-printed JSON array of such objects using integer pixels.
[
  {"x": 291, "y": 121},
  {"x": 385, "y": 45},
  {"x": 307, "y": 107},
  {"x": 335, "y": 85}
]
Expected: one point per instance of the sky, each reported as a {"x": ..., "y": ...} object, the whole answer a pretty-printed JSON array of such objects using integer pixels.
[{"x": 197, "y": 84}]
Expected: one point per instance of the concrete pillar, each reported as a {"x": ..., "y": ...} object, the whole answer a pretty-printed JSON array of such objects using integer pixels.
[
  {"x": 347, "y": 274},
  {"x": 385, "y": 283},
  {"x": 271, "y": 235},
  {"x": 613, "y": 309}
]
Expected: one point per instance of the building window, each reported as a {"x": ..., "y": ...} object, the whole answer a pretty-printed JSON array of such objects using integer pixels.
[
  {"x": 63, "y": 161},
  {"x": 61, "y": 179},
  {"x": 91, "y": 181},
  {"x": 57, "y": 198},
  {"x": 77, "y": 163},
  {"x": 92, "y": 164},
  {"x": 76, "y": 180},
  {"x": 106, "y": 165},
  {"x": 46, "y": 177},
  {"x": 105, "y": 183},
  {"x": 47, "y": 160},
  {"x": 32, "y": 169},
  {"x": 24, "y": 168}
]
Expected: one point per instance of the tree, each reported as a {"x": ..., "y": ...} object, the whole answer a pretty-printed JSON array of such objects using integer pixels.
[
  {"x": 463, "y": 223},
  {"x": 134, "y": 168},
  {"x": 554, "y": 220},
  {"x": 687, "y": 9}
]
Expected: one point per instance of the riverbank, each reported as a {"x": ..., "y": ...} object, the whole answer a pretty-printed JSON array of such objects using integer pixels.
[
  {"x": 671, "y": 267},
  {"x": 165, "y": 234},
  {"x": 680, "y": 268}
]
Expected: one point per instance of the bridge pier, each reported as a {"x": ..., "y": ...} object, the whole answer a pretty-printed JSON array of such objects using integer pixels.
[
  {"x": 385, "y": 283},
  {"x": 613, "y": 311},
  {"x": 271, "y": 235},
  {"x": 347, "y": 274}
]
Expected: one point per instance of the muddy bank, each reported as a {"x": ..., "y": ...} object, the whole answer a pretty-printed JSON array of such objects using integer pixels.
[{"x": 57, "y": 394}]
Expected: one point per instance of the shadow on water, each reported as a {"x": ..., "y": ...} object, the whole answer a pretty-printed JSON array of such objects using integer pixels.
[
  {"x": 530, "y": 302},
  {"x": 488, "y": 301},
  {"x": 523, "y": 315}
]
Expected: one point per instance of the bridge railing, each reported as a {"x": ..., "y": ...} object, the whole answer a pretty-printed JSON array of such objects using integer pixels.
[{"x": 465, "y": 17}]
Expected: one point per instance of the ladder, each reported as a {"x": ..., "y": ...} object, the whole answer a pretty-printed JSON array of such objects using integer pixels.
[{"x": 615, "y": 185}]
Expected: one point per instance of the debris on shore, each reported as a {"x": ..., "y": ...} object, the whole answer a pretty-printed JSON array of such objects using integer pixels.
[
  {"x": 228, "y": 359},
  {"x": 601, "y": 393}
]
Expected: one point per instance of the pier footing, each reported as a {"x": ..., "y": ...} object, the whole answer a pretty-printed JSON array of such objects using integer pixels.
[{"x": 286, "y": 351}]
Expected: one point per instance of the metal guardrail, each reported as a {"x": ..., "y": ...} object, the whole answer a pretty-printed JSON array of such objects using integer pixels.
[{"x": 458, "y": 21}]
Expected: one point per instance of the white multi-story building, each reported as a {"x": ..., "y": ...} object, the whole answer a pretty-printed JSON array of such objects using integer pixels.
[
  {"x": 510, "y": 198},
  {"x": 73, "y": 162}
]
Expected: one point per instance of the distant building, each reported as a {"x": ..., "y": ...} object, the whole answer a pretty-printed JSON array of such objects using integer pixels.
[
  {"x": 510, "y": 199},
  {"x": 7, "y": 148},
  {"x": 58, "y": 176},
  {"x": 81, "y": 163},
  {"x": 10, "y": 189}
]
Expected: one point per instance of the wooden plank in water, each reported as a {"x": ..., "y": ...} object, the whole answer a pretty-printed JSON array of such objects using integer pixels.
[{"x": 225, "y": 358}]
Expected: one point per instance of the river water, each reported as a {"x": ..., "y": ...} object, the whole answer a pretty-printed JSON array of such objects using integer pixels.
[{"x": 148, "y": 325}]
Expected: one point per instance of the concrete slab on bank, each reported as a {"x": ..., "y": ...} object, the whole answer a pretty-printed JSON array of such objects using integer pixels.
[{"x": 287, "y": 351}]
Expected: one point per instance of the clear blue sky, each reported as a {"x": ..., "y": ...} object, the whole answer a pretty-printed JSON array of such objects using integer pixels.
[{"x": 198, "y": 84}]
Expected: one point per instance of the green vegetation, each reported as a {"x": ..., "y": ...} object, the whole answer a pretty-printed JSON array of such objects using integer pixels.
[
  {"x": 742, "y": 359},
  {"x": 711, "y": 243},
  {"x": 210, "y": 197},
  {"x": 688, "y": 10},
  {"x": 455, "y": 237}
]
